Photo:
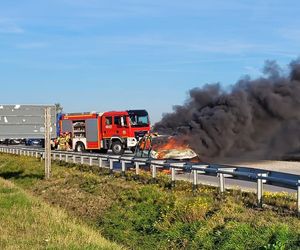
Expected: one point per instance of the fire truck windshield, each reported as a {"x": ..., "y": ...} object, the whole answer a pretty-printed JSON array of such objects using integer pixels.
[{"x": 138, "y": 118}]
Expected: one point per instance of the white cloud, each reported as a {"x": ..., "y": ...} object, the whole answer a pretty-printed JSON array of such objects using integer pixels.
[
  {"x": 292, "y": 34},
  {"x": 32, "y": 45},
  {"x": 8, "y": 26},
  {"x": 195, "y": 45}
]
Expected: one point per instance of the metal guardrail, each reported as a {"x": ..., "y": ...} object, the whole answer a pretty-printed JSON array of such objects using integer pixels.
[{"x": 260, "y": 176}]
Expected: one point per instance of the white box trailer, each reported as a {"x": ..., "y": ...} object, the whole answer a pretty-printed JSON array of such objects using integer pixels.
[{"x": 25, "y": 121}]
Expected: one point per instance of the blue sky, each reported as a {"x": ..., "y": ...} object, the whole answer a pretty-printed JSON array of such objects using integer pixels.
[{"x": 111, "y": 55}]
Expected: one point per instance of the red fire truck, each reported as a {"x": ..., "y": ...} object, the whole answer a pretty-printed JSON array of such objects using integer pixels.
[{"x": 115, "y": 130}]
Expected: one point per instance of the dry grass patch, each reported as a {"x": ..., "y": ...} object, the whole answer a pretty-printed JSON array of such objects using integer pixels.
[{"x": 27, "y": 223}]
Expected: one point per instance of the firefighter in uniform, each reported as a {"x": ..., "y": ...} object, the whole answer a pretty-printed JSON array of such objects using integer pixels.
[
  {"x": 62, "y": 142},
  {"x": 68, "y": 141},
  {"x": 145, "y": 144}
]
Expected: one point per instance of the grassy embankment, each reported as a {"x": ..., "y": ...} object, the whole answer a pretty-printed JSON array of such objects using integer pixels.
[
  {"x": 28, "y": 223},
  {"x": 142, "y": 215}
]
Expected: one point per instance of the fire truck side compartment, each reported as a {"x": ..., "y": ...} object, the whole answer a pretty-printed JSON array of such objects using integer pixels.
[{"x": 92, "y": 134}]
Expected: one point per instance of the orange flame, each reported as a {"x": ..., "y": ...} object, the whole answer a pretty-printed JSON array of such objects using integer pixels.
[{"x": 171, "y": 144}]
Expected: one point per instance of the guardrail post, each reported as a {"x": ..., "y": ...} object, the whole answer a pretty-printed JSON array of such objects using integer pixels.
[
  {"x": 54, "y": 156},
  {"x": 123, "y": 165},
  {"x": 111, "y": 166},
  {"x": 153, "y": 172},
  {"x": 195, "y": 180},
  {"x": 259, "y": 191},
  {"x": 74, "y": 158},
  {"x": 173, "y": 173},
  {"x": 100, "y": 161},
  {"x": 91, "y": 161},
  {"x": 60, "y": 157},
  {"x": 81, "y": 160},
  {"x": 36, "y": 154},
  {"x": 137, "y": 168},
  {"x": 222, "y": 182},
  {"x": 67, "y": 158},
  {"x": 298, "y": 198}
]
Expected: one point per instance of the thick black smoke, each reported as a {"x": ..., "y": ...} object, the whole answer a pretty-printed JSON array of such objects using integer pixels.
[{"x": 258, "y": 117}]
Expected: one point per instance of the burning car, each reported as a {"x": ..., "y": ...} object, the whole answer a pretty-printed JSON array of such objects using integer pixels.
[{"x": 165, "y": 148}]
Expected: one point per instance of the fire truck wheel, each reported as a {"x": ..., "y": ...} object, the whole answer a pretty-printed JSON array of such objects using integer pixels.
[
  {"x": 117, "y": 148},
  {"x": 79, "y": 147}
]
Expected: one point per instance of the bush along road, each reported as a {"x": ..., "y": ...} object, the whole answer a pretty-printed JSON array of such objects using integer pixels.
[{"x": 141, "y": 214}]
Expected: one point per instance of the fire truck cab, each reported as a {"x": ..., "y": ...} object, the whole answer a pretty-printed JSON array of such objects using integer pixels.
[{"x": 115, "y": 130}]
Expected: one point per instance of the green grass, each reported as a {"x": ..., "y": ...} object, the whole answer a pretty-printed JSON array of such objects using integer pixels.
[
  {"x": 143, "y": 215},
  {"x": 28, "y": 223}
]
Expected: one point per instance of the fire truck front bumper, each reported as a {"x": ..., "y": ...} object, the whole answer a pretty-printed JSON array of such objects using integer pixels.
[{"x": 131, "y": 142}]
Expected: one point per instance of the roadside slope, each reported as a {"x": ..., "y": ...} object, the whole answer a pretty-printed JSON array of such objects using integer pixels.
[{"x": 28, "y": 223}]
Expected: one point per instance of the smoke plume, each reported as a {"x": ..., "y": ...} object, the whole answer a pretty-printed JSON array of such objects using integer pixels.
[{"x": 256, "y": 117}]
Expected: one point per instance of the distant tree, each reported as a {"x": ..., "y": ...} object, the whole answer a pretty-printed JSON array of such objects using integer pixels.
[{"x": 58, "y": 107}]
